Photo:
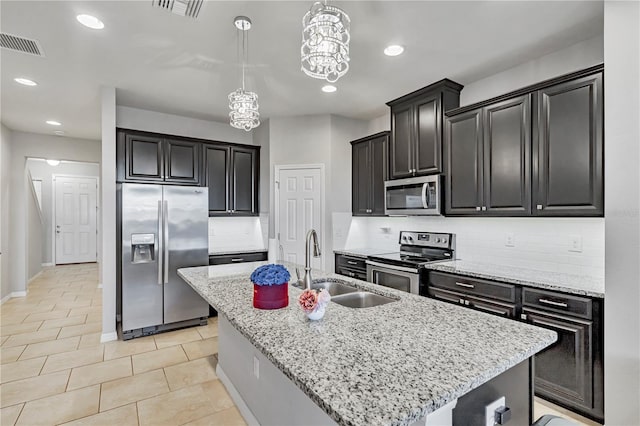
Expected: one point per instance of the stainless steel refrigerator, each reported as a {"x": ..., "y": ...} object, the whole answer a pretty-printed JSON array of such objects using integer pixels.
[{"x": 163, "y": 228}]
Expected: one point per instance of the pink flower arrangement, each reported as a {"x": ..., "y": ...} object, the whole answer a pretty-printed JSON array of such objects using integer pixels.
[{"x": 312, "y": 300}]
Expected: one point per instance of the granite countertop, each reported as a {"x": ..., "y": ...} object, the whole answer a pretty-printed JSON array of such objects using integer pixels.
[
  {"x": 385, "y": 365},
  {"x": 568, "y": 283},
  {"x": 363, "y": 252},
  {"x": 213, "y": 252}
]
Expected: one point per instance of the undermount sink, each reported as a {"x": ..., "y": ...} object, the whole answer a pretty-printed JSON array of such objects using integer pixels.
[
  {"x": 361, "y": 299},
  {"x": 333, "y": 287}
]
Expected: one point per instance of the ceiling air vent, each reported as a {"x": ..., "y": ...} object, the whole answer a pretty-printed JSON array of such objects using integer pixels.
[
  {"x": 20, "y": 44},
  {"x": 189, "y": 8}
]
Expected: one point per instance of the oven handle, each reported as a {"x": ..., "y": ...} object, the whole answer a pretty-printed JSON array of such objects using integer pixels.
[{"x": 392, "y": 267}]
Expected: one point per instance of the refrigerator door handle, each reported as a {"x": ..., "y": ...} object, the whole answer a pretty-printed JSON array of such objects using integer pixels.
[
  {"x": 165, "y": 243},
  {"x": 159, "y": 243}
]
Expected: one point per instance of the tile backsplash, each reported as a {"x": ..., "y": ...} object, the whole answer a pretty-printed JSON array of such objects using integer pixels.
[
  {"x": 235, "y": 233},
  {"x": 570, "y": 245}
]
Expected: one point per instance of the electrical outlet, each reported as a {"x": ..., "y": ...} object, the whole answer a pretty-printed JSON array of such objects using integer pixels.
[
  {"x": 256, "y": 367},
  {"x": 509, "y": 240},
  {"x": 575, "y": 243},
  {"x": 386, "y": 230},
  {"x": 490, "y": 410}
]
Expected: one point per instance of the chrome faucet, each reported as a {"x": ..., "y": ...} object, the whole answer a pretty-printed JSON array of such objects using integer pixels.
[{"x": 306, "y": 281}]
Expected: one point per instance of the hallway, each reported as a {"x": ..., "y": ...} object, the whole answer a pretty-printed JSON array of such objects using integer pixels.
[{"x": 56, "y": 371}]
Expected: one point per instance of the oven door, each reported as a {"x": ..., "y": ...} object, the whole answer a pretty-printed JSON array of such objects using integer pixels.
[
  {"x": 413, "y": 196},
  {"x": 396, "y": 277}
]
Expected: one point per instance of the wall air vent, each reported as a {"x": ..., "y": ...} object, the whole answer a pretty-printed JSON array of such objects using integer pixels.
[
  {"x": 189, "y": 8},
  {"x": 21, "y": 44}
]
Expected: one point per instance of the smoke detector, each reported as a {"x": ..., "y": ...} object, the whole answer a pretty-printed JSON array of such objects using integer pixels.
[
  {"x": 21, "y": 44},
  {"x": 188, "y": 8}
]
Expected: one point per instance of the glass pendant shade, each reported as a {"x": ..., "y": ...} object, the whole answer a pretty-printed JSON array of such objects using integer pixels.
[
  {"x": 325, "y": 42},
  {"x": 242, "y": 103}
]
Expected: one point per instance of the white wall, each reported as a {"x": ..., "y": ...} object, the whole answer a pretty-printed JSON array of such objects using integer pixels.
[
  {"x": 622, "y": 212},
  {"x": 35, "y": 230},
  {"x": 24, "y": 145},
  {"x": 5, "y": 191},
  {"x": 41, "y": 170},
  {"x": 151, "y": 121}
]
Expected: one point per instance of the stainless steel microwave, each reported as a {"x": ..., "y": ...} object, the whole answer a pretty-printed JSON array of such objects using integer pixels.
[{"x": 416, "y": 196}]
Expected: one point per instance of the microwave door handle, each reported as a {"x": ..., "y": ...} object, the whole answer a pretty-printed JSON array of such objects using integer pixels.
[{"x": 425, "y": 195}]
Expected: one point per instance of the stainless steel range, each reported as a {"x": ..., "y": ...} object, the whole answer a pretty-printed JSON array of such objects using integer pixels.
[{"x": 401, "y": 270}]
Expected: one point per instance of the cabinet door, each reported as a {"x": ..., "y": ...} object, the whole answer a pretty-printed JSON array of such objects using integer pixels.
[
  {"x": 217, "y": 171},
  {"x": 428, "y": 139},
  {"x": 361, "y": 179},
  {"x": 463, "y": 144},
  {"x": 564, "y": 370},
  {"x": 402, "y": 141},
  {"x": 569, "y": 149},
  {"x": 507, "y": 158},
  {"x": 143, "y": 158},
  {"x": 182, "y": 161},
  {"x": 379, "y": 166},
  {"x": 244, "y": 181}
]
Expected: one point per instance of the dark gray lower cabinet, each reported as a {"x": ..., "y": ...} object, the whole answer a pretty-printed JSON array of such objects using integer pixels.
[
  {"x": 224, "y": 259},
  {"x": 351, "y": 266},
  {"x": 370, "y": 160}
]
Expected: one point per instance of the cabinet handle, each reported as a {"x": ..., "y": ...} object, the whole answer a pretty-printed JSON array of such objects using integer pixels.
[
  {"x": 539, "y": 207},
  {"x": 478, "y": 208},
  {"x": 484, "y": 208},
  {"x": 228, "y": 211},
  {"x": 523, "y": 317},
  {"x": 465, "y": 285},
  {"x": 237, "y": 259},
  {"x": 462, "y": 301},
  {"x": 553, "y": 303},
  {"x": 351, "y": 262}
]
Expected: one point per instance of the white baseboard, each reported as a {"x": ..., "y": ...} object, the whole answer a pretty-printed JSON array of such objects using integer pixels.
[
  {"x": 109, "y": 337},
  {"x": 235, "y": 396},
  {"x": 44, "y": 265},
  {"x": 4, "y": 299},
  {"x": 34, "y": 277},
  {"x": 12, "y": 295}
]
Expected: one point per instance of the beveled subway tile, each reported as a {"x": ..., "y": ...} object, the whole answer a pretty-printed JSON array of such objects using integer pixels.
[
  {"x": 158, "y": 359},
  {"x": 169, "y": 409},
  {"x": 121, "y": 348},
  {"x": 178, "y": 337},
  {"x": 33, "y": 337},
  {"x": 43, "y": 316},
  {"x": 191, "y": 373},
  {"x": 8, "y": 330},
  {"x": 11, "y": 354},
  {"x": 21, "y": 369},
  {"x": 33, "y": 388},
  {"x": 63, "y": 322},
  {"x": 61, "y": 408},
  {"x": 78, "y": 330},
  {"x": 121, "y": 416},
  {"x": 49, "y": 348},
  {"x": 201, "y": 348},
  {"x": 9, "y": 415},
  {"x": 73, "y": 359},
  {"x": 131, "y": 389},
  {"x": 100, "y": 373}
]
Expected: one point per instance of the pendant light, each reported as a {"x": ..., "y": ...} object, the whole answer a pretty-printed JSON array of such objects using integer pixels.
[{"x": 243, "y": 104}]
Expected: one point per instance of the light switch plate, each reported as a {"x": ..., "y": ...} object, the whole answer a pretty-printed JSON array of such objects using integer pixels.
[
  {"x": 575, "y": 243},
  {"x": 490, "y": 410},
  {"x": 509, "y": 240}
]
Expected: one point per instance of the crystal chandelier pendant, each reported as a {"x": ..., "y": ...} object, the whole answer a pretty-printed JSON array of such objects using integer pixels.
[
  {"x": 325, "y": 42},
  {"x": 242, "y": 103}
]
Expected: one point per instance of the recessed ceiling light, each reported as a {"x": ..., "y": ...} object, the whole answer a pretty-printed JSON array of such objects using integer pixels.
[
  {"x": 54, "y": 123},
  {"x": 90, "y": 21},
  {"x": 53, "y": 162},
  {"x": 393, "y": 50},
  {"x": 59, "y": 132},
  {"x": 25, "y": 81},
  {"x": 329, "y": 88}
]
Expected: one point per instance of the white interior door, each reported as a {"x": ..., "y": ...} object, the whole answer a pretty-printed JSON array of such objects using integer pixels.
[
  {"x": 75, "y": 219},
  {"x": 299, "y": 209}
]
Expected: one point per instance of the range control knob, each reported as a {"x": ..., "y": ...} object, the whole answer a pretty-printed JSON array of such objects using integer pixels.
[
  {"x": 437, "y": 240},
  {"x": 410, "y": 238},
  {"x": 404, "y": 238}
]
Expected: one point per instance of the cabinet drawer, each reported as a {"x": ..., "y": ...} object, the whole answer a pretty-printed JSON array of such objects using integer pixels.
[
  {"x": 350, "y": 262},
  {"x": 223, "y": 259},
  {"x": 474, "y": 286},
  {"x": 558, "y": 302},
  {"x": 359, "y": 275},
  {"x": 489, "y": 306}
]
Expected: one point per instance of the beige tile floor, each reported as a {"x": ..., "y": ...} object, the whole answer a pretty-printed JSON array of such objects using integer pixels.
[{"x": 55, "y": 370}]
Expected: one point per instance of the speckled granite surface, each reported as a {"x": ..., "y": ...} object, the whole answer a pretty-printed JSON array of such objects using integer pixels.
[
  {"x": 213, "y": 252},
  {"x": 363, "y": 252},
  {"x": 568, "y": 283},
  {"x": 386, "y": 365}
]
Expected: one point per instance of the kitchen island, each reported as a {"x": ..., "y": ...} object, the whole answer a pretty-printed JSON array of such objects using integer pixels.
[{"x": 406, "y": 362}]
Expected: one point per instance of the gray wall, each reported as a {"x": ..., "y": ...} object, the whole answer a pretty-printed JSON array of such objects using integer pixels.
[
  {"x": 24, "y": 145},
  {"x": 5, "y": 190},
  {"x": 41, "y": 170},
  {"x": 622, "y": 212}
]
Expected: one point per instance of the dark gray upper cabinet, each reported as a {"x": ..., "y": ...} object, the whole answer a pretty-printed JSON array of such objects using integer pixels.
[
  {"x": 182, "y": 161},
  {"x": 538, "y": 150},
  {"x": 569, "y": 149},
  {"x": 231, "y": 174},
  {"x": 416, "y": 129},
  {"x": 141, "y": 157},
  {"x": 369, "y": 171}
]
